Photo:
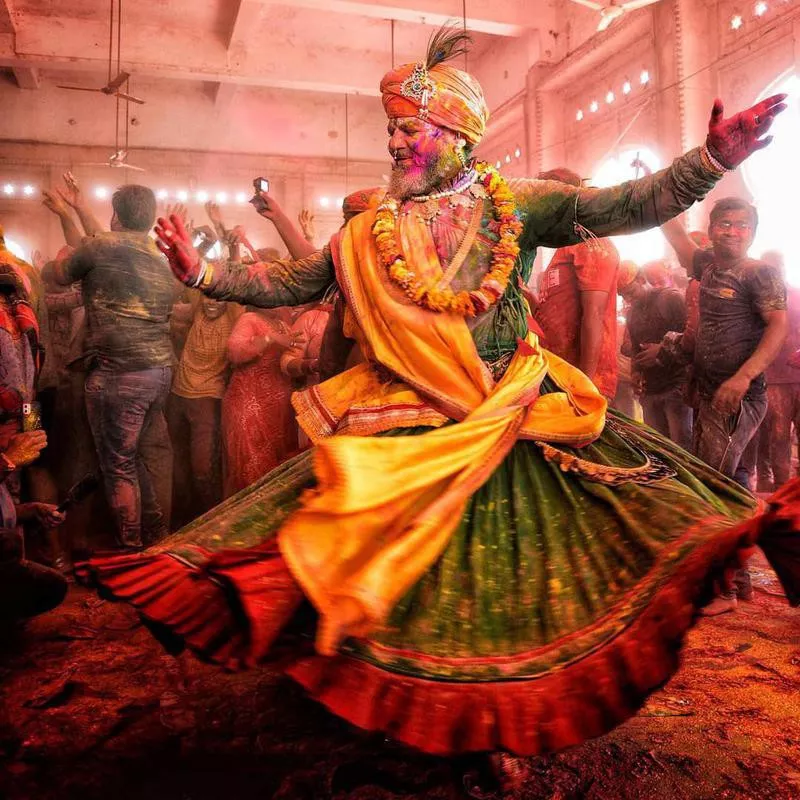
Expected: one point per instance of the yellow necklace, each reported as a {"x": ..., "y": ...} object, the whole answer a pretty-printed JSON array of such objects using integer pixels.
[{"x": 494, "y": 282}]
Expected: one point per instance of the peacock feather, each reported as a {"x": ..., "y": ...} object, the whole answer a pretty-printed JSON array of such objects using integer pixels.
[{"x": 447, "y": 43}]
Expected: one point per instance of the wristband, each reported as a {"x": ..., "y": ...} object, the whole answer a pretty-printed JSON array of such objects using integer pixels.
[
  {"x": 208, "y": 276},
  {"x": 711, "y": 163}
]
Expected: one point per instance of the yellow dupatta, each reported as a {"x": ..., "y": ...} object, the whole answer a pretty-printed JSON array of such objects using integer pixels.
[{"x": 385, "y": 508}]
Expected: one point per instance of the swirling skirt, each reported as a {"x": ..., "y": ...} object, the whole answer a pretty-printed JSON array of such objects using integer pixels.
[{"x": 558, "y": 606}]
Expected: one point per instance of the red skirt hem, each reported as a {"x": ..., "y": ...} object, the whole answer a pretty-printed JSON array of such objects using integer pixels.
[{"x": 231, "y": 610}]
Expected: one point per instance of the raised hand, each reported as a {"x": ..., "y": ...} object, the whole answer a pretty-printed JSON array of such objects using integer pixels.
[
  {"x": 269, "y": 207},
  {"x": 55, "y": 202},
  {"x": 173, "y": 240},
  {"x": 732, "y": 140},
  {"x": 238, "y": 237},
  {"x": 306, "y": 220},
  {"x": 639, "y": 165},
  {"x": 178, "y": 210},
  {"x": 71, "y": 193},
  {"x": 214, "y": 213}
]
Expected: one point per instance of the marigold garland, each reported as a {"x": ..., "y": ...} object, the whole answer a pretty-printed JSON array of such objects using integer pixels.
[{"x": 494, "y": 282}]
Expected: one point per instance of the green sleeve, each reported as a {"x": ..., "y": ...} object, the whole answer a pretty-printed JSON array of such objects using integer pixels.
[
  {"x": 549, "y": 209},
  {"x": 273, "y": 284}
]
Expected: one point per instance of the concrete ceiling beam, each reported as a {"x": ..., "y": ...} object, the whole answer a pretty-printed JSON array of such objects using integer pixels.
[
  {"x": 27, "y": 77},
  {"x": 509, "y": 18},
  {"x": 80, "y": 46}
]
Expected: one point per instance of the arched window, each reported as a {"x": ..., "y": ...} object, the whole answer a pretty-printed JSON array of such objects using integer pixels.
[
  {"x": 773, "y": 176},
  {"x": 639, "y": 247}
]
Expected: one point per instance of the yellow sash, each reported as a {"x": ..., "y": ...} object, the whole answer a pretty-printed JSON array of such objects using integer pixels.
[{"x": 386, "y": 507}]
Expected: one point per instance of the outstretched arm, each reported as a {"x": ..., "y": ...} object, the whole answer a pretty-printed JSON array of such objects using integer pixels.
[
  {"x": 681, "y": 243},
  {"x": 74, "y": 197},
  {"x": 56, "y": 204},
  {"x": 554, "y": 213},
  {"x": 266, "y": 285},
  {"x": 297, "y": 244}
]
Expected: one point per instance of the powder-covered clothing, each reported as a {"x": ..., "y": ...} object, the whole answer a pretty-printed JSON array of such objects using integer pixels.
[
  {"x": 581, "y": 268},
  {"x": 203, "y": 368},
  {"x": 128, "y": 290},
  {"x": 654, "y": 314},
  {"x": 732, "y": 302}
]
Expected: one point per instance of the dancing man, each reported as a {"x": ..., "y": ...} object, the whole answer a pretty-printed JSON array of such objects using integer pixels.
[{"x": 496, "y": 561}]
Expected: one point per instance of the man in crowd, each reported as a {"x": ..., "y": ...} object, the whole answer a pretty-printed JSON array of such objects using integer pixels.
[
  {"x": 741, "y": 329},
  {"x": 128, "y": 292},
  {"x": 193, "y": 411},
  {"x": 577, "y": 308},
  {"x": 653, "y": 312}
]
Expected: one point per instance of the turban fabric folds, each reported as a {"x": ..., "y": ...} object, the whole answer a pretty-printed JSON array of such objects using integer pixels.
[{"x": 446, "y": 96}]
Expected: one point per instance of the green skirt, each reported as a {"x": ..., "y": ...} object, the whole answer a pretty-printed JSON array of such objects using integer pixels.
[{"x": 559, "y": 604}]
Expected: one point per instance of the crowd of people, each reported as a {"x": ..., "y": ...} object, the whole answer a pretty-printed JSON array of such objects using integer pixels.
[{"x": 117, "y": 377}]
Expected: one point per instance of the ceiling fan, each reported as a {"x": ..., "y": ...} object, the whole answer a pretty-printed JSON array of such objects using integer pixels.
[
  {"x": 119, "y": 158},
  {"x": 113, "y": 84},
  {"x": 613, "y": 10},
  {"x": 112, "y": 88}
]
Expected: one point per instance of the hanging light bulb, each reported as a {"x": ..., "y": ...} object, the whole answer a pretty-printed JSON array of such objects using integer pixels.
[
  {"x": 8, "y": 189},
  {"x": 593, "y": 106},
  {"x": 517, "y": 153},
  {"x": 579, "y": 115},
  {"x": 202, "y": 196},
  {"x": 182, "y": 195},
  {"x": 100, "y": 192},
  {"x": 222, "y": 198},
  {"x": 626, "y": 87},
  {"x": 324, "y": 202},
  {"x": 508, "y": 158},
  {"x": 644, "y": 77},
  {"x": 610, "y": 97},
  {"x": 162, "y": 194},
  {"x": 498, "y": 164},
  {"x": 736, "y": 22},
  {"x": 760, "y": 9},
  {"x": 241, "y": 197}
]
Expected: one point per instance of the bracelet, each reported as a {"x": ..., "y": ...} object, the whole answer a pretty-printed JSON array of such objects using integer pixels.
[
  {"x": 6, "y": 464},
  {"x": 711, "y": 163},
  {"x": 208, "y": 276},
  {"x": 200, "y": 276}
]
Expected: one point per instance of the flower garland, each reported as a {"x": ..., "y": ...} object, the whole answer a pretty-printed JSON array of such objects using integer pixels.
[{"x": 494, "y": 282}]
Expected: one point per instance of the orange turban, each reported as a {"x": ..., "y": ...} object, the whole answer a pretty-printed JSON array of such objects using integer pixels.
[{"x": 446, "y": 96}]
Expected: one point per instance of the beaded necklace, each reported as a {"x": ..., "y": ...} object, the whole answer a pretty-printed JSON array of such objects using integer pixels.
[{"x": 427, "y": 294}]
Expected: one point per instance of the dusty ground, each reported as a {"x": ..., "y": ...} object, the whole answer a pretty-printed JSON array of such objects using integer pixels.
[{"x": 90, "y": 707}]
